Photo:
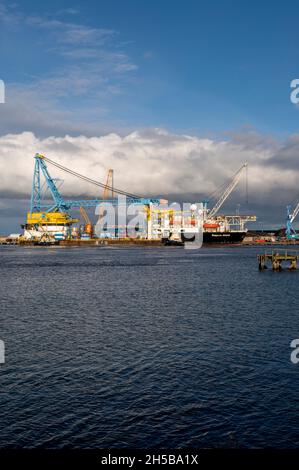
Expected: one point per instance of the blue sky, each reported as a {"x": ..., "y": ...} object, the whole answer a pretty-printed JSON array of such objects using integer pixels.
[
  {"x": 203, "y": 67},
  {"x": 183, "y": 92}
]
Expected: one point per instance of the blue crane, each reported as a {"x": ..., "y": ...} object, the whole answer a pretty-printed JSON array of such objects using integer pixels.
[
  {"x": 291, "y": 233},
  {"x": 60, "y": 204}
]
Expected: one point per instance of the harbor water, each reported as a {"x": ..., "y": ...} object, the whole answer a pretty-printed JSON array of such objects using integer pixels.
[{"x": 146, "y": 347}]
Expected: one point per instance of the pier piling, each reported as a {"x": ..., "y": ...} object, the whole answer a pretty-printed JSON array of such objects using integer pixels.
[{"x": 277, "y": 258}]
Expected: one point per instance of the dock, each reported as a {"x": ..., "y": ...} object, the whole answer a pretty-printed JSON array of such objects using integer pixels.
[{"x": 277, "y": 258}]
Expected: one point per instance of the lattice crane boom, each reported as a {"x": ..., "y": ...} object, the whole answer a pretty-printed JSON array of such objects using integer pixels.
[
  {"x": 291, "y": 232},
  {"x": 294, "y": 214},
  {"x": 109, "y": 185},
  {"x": 84, "y": 215},
  {"x": 59, "y": 203},
  {"x": 228, "y": 190}
]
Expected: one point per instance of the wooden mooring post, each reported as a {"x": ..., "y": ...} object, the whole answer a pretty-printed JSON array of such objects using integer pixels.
[{"x": 277, "y": 258}]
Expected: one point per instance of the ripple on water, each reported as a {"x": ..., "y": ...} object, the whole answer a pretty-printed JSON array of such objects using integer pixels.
[{"x": 146, "y": 348}]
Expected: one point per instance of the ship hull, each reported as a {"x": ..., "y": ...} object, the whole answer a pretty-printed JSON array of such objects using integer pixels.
[{"x": 223, "y": 237}]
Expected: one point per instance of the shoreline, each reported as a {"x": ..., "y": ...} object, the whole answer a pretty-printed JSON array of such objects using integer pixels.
[{"x": 143, "y": 243}]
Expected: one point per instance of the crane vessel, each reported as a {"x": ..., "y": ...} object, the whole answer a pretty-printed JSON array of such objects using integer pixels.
[
  {"x": 219, "y": 228},
  {"x": 48, "y": 222},
  {"x": 50, "y": 219}
]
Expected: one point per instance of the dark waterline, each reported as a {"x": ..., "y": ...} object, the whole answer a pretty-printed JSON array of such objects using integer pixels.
[{"x": 140, "y": 348}]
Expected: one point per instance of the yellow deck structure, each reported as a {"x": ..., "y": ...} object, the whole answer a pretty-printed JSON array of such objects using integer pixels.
[{"x": 50, "y": 218}]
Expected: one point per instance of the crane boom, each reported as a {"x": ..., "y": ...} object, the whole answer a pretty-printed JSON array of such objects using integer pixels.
[
  {"x": 108, "y": 185},
  {"x": 59, "y": 204},
  {"x": 84, "y": 215},
  {"x": 229, "y": 189},
  {"x": 294, "y": 214},
  {"x": 40, "y": 166},
  {"x": 107, "y": 188},
  {"x": 291, "y": 233}
]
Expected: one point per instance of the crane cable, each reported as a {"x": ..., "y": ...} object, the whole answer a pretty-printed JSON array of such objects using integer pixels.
[{"x": 90, "y": 180}]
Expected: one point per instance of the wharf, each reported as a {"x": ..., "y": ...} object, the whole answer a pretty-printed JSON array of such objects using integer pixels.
[{"x": 276, "y": 258}]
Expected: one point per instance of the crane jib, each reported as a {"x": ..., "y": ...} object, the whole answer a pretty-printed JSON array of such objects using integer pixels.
[{"x": 61, "y": 204}]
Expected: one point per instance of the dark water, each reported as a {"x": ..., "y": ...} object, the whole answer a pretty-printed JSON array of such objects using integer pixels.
[{"x": 114, "y": 347}]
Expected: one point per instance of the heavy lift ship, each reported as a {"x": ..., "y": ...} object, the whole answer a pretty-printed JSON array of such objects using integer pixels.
[
  {"x": 216, "y": 228},
  {"x": 49, "y": 223},
  {"x": 226, "y": 228}
]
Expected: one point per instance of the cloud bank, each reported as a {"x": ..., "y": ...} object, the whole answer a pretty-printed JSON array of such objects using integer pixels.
[{"x": 156, "y": 162}]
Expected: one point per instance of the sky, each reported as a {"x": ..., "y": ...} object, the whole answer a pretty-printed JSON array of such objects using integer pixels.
[{"x": 174, "y": 95}]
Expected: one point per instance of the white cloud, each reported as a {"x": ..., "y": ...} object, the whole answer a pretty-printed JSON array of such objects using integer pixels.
[{"x": 150, "y": 162}]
